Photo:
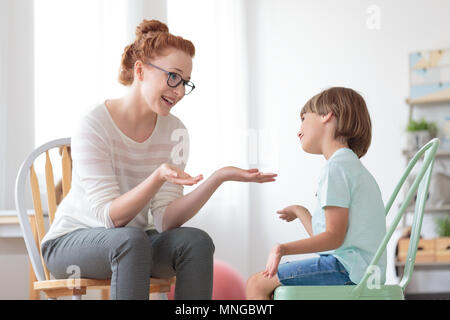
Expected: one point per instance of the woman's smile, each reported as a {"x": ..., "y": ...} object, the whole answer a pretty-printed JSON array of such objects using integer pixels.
[{"x": 168, "y": 101}]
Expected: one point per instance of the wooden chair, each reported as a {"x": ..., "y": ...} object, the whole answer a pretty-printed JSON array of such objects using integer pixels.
[{"x": 33, "y": 234}]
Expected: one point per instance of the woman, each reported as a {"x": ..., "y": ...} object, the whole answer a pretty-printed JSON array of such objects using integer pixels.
[{"x": 123, "y": 215}]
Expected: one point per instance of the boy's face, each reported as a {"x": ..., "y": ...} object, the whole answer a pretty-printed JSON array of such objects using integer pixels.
[{"x": 311, "y": 132}]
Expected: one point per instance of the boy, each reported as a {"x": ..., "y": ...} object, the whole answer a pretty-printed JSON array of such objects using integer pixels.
[{"x": 348, "y": 223}]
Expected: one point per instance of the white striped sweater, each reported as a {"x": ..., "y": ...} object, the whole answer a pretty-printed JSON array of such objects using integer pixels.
[{"x": 107, "y": 163}]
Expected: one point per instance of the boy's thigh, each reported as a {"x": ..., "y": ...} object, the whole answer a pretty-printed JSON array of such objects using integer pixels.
[
  {"x": 324, "y": 270},
  {"x": 89, "y": 253}
]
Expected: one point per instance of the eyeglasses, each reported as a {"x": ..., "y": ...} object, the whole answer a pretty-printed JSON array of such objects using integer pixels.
[{"x": 174, "y": 80}]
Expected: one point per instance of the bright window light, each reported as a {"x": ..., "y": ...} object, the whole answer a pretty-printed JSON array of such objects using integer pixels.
[{"x": 78, "y": 48}]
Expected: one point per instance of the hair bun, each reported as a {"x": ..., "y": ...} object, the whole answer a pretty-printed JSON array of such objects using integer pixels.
[{"x": 147, "y": 26}]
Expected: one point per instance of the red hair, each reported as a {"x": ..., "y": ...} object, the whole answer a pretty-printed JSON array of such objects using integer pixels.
[{"x": 152, "y": 38}]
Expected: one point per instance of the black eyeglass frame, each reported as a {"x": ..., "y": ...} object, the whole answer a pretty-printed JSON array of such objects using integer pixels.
[{"x": 169, "y": 74}]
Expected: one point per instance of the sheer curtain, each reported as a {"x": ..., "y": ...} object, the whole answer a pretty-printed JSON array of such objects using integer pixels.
[
  {"x": 16, "y": 93},
  {"x": 216, "y": 116},
  {"x": 78, "y": 46},
  {"x": 3, "y": 92},
  {"x": 78, "y": 50}
]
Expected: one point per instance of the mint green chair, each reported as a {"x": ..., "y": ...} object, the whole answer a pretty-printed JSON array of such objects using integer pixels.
[{"x": 365, "y": 289}]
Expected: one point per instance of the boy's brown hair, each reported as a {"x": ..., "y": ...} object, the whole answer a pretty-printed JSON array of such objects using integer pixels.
[{"x": 353, "y": 119}]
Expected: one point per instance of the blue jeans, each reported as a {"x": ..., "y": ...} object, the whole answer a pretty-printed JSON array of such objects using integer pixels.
[{"x": 321, "y": 271}]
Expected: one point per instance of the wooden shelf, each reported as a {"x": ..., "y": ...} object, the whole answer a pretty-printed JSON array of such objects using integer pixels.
[
  {"x": 439, "y": 153},
  {"x": 445, "y": 208},
  {"x": 426, "y": 102},
  {"x": 425, "y": 265}
]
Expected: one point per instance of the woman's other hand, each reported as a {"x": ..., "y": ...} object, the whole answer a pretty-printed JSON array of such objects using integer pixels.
[
  {"x": 173, "y": 174},
  {"x": 250, "y": 175}
]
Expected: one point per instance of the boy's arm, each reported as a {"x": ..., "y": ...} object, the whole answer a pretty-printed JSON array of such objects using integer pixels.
[
  {"x": 305, "y": 217},
  {"x": 293, "y": 212},
  {"x": 332, "y": 238}
]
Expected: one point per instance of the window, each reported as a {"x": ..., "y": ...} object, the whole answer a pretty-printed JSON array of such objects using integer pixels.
[{"x": 78, "y": 47}]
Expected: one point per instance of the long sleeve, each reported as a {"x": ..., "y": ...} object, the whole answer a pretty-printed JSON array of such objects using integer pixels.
[
  {"x": 107, "y": 164},
  {"x": 93, "y": 166},
  {"x": 169, "y": 191}
]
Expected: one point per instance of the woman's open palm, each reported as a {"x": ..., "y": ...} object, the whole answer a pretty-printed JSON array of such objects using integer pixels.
[
  {"x": 250, "y": 175},
  {"x": 175, "y": 175}
]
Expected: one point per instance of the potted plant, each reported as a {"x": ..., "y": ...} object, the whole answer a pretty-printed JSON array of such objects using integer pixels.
[
  {"x": 443, "y": 242},
  {"x": 419, "y": 133}
]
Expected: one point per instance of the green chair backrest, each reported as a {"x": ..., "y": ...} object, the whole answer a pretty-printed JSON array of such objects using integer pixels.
[{"x": 420, "y": 185}]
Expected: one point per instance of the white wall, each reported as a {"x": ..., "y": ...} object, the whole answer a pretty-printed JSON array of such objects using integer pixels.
[{"x": 299, "y": 48}]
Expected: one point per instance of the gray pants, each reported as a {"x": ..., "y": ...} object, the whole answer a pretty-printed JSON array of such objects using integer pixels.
[{"x": 130, "y": 256}]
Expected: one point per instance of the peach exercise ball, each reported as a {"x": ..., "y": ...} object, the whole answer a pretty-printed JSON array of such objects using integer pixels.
[{"x": 228, "y": 284}]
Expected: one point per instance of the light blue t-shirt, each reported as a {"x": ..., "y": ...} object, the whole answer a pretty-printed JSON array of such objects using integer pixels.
[{"x": 345, "y": 182}]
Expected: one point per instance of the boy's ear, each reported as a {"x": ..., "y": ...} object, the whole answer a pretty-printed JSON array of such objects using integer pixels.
[{"x": 327, "y": 117}]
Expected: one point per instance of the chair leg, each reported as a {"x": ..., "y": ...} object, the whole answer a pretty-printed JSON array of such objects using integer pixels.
[
  {"x": 158, "y": 296},
  {"x": 105, "y": 294},
  {"x": 33, "y": 294}
]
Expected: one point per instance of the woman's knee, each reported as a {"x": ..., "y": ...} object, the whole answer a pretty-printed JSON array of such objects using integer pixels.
[
  {"x": 198, "y": 240},
  {"x": 130, "y": 239}
]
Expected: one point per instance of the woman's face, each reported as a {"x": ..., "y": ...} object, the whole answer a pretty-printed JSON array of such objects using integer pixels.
[{"x": 154, "y": 88}]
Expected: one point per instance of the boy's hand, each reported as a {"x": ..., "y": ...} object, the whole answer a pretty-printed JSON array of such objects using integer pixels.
[
  {"x": 289, "y": 213},
  {"x": 292, "y": 212},
  {"x": 273, "y": 261}
]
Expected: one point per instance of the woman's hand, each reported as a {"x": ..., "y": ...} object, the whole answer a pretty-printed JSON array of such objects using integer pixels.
[
  {"x": 250, "y": 175},
  {"x": 173, "y": 174},
  {"x": 273, "y": 261}
]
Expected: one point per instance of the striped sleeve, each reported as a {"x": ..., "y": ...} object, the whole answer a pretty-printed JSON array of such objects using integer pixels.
[
  {"x": 169, "y": 191},
  {"x": 91, "y": 156}
]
